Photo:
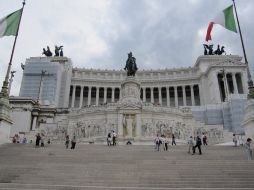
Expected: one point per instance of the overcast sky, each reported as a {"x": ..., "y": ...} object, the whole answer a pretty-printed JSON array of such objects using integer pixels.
[{"x": 99, "y": 33}]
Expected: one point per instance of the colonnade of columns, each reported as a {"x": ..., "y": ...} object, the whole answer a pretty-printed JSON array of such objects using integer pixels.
[
  {"x": 174, "y": 96},
  {"x": 230, "y": 83},
  {"x": 84, "y": 94}
]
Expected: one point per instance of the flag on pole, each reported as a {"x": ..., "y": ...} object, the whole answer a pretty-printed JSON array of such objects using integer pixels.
[
  {"x": 9, "y": 24},
  {"x": 225, "y": 19}
]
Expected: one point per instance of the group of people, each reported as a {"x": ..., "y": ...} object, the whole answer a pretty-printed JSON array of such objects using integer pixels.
[
  {"x": 39, "y": 141},
  {"x": 162, "y": 140},
  {"x": 73, "y": 142},
  {"x": 159, "y": 140},
  {"x": 17, "y": 139},
  {"x": 111, "y": 138},
  {"x": 197, "y": 145},
  {"x": 247, "y": 145}
]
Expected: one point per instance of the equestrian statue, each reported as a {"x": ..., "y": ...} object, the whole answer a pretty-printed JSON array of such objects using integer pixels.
[{"x": 131, "y": 66}]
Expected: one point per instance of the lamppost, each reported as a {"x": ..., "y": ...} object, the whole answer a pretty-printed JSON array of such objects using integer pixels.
[
  {"x": 43, "y": 72},
  {"x": 10, "y": 81}
]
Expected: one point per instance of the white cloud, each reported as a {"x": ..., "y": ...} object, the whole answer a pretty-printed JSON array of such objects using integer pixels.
[{"x": 98, "y": 34}]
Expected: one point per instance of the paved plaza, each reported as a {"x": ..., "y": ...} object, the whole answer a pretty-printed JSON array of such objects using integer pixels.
[{"x": 123, "y": 167}]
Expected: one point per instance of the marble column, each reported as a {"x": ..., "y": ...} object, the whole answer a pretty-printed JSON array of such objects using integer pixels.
[
  {"x": 120, "y": 94},
  {"x": 244, "y": 79},
  {"x": 216, "y": 88},
  {"x": 105, "y": 95},
  {"x": 73, "y": 95},
  {"x": 97, "y": 95},
  {"x": 192, "y": 96},
  {"x": 226, "y": 86},
  {"x": 200, "y": 94},
  {"x": 35, "y": 117},
  {"x": 138, "y": 125},
  {"x": 152, "y": 98},
  {"x": 89, "y": 96},
  {"x": 184, "y": 96},
  {"x": 144, "y": 94},
  {"x": 113, "y": 95},
  {"x": 168, "y": 98},
  {"x": 235, "y": 84},
  {"x": 160, "y": 98},
  {"x": 81, "y": 97},
  {"x": 176, "y": 96}
]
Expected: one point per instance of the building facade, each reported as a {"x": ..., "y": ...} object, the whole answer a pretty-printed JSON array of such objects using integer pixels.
[{"x": 208, "y": 97}]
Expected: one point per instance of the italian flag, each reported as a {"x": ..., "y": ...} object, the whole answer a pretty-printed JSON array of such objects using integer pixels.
[
  {"x": 9, "y": 24},
  {"x": 225, "y": 19}
]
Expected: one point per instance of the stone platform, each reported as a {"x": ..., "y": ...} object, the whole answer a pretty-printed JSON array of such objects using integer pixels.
[{"x": 98, "y": 167}]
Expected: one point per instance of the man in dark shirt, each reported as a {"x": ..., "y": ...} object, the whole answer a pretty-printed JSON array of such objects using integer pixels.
[{"x": 198, "y": 144}]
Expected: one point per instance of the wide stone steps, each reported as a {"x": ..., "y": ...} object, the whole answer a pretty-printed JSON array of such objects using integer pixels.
[{"x": 123, "y": 167}]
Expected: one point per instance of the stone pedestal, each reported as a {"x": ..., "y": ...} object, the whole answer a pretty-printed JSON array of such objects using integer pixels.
[
  {"x": 248, "y": 121},
  {"x": 129, "y": 108},
  {"x": 5, "y": 120}
]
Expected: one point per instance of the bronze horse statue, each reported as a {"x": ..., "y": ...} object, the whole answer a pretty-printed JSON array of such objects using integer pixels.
[{"x": 131, "y": 66}]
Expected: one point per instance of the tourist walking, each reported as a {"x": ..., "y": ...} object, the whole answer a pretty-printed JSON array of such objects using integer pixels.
[
  {"x": 248, "y": 148},
  {"x": 37, "y": 141},
  {"x": 190, "y": 143},
  {"x": 173, "y": 140},
  {"x": 204, "y": 140},
  {"x": 157, "y": 143},
  {"x": 67, "y": 141},
  {"x": 73, "y": 142},
  {"x": 42, "y": 140},
  {"x": 165, "y": 143},
  {"x": 109, "y": 139},
  {"x": 234, "y": 140},
  {"x": 198, "y": 144},
  {"x": 114, "y": 138}
]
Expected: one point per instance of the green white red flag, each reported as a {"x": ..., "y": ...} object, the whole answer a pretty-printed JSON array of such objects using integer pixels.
[
  {"x": 225, "y": 19},
  {"x": 9, "y": 24}
]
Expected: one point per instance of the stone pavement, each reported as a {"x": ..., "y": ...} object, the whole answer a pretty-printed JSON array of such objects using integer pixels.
[{"x": 98, "y": 167}]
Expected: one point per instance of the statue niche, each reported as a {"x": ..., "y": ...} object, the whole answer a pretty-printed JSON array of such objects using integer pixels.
[{"x": 131, "y": 66}]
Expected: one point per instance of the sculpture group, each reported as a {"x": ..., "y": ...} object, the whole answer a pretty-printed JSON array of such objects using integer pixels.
[
  {"x": 58, "y": 51},
  {"x": 208, "y": 50}
]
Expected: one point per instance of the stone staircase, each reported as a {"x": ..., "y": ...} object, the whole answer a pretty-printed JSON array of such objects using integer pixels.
[{"x": 123, "y": 167}]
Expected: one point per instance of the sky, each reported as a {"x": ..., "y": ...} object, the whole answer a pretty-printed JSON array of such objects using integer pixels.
[{"x": 99, "y": 34}]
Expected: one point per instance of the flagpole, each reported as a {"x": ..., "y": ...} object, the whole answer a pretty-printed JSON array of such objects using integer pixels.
[
  {"x": 4, "y": 91},
  {"x": 250, "y": 82}
]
